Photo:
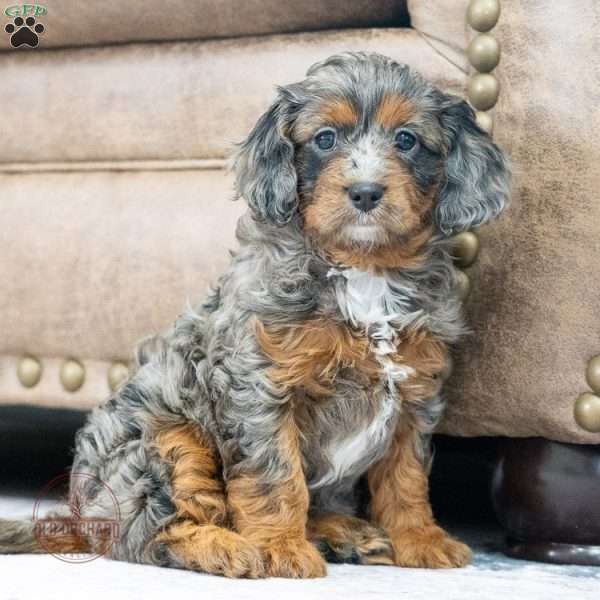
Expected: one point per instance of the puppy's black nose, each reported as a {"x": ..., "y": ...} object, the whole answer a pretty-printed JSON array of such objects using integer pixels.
[{"x": 365, "y": 196}]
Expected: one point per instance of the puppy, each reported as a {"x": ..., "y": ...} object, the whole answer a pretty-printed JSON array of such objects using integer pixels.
[{"x": 238, "y": 444}]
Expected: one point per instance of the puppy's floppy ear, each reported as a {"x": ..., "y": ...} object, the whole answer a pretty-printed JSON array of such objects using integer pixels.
[
  {"x": 264, "y": 164},
  {"x": 477, "y": 176}
]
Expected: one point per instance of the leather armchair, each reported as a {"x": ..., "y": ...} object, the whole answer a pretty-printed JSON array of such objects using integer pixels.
[{"x": 116, "y": 202}]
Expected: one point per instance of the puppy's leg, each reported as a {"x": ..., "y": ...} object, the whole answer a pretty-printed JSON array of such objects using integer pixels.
[
  {"x": 346, "y": 539},
  {"x": 400, "y": 504},
  {"x": 270, "y": 507},
  {"x": 198, "y": 539}
]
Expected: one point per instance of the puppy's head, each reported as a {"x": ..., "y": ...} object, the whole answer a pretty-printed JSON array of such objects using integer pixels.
[{"x": 372, "y": 157}]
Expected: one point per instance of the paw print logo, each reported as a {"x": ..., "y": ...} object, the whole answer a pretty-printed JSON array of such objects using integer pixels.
[{"x": 24, "y": 32}]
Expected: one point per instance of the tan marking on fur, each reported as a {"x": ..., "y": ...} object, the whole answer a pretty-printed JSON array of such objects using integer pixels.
[
  {"x": 405, "y": 202},
  {"x": 400, "y": 504},
  {"x": 328, "y": 205},
  {"x": 212, "y": 549},
  {"x": 336, "y": 112},
  {"x": 339, "y": 113},
  {"x": 394, "y": 111},
  {"x": 198, "y": 492},
  {"x": 309, "y": 355},
  {"x": 197, "y": 538},
  {"x": 273, "y": 515},
  {"x": 349, "y": 537},
  {"x": 429, "y": 358}
]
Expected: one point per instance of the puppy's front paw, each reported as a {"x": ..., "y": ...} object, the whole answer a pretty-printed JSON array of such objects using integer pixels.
[
  {"x": 346, "y": 539},
  {"x": 429, "y": 547},
  {"x": 296, "y": 559},
  {"x": 235, "y": 557}
]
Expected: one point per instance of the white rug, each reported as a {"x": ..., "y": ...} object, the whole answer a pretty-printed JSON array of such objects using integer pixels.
[{"x": 492, "y": 576}]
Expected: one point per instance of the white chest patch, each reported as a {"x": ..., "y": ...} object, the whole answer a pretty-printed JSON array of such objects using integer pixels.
[
  {"x": 366, "y": 298},
  {"x": 357, "y": 448},
  {"x": 369, "y": 301}
]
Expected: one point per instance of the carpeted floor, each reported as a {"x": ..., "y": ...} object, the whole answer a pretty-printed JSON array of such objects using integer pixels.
[
  {"x": 492, "y": 576},
  {"x": 34, "y": 447}
]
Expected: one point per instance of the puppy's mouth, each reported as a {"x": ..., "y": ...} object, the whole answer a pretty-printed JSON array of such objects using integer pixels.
[{"x": 364, "y": 229}]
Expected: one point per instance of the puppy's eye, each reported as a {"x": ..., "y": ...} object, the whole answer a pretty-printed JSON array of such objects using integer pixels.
[
  {"x": 325, "y": 139},
  {"x": 405, "y": 140}
]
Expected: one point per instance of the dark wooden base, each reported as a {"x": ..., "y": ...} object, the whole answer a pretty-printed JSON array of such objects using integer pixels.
[
  {"x": 547, "y": 497},
  {"x": 553, "y": 552}
]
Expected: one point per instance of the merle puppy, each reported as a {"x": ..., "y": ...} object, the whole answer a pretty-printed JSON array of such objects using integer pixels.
[{"x": 237, "y": 444}]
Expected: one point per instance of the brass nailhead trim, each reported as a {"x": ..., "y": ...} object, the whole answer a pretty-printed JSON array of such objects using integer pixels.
[
  {"x": 463, "y": 285},
  {"x": 483, "y": 90},
  {"x": 29, "y": 371},
  {"x": 482, "y": 15},
  {"x": 117, "y": 374},
  {"x": 484, "y": 55},
  {"x": 484, "y": 52},
  {"x": 587, "y": 412},
  {"x": 485, "y": 121},
  {"x": 72, "y": 375},
  {"x": 592, "y": 374},
  {"x": 465, "y": 248}
]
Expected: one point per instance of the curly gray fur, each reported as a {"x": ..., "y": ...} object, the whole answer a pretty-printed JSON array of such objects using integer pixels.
[{"x": 208, "y": 368}]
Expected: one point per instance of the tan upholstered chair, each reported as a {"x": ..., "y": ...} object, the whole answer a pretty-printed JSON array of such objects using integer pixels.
[{"x": 115, "y": 202}]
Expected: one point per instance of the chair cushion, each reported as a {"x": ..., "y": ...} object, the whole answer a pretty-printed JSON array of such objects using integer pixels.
[
  {"x": 94, "y": 261},
  {"x": 185, "y": 100},
  {"x": 77, "y": 23}
]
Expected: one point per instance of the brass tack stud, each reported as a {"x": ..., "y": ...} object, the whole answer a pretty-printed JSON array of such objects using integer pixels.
[
  {"x": 484, "y": 52},
  {"x": 485, "y": 121},
  {"x": 29, "y": 371},
  {"x": 592, "y": 374},
  {"x": 463, "y": 285},
  {"x": 483, "y": 90},
  {"x": 117, "y": 374},
  {"x": 465, "y": 248},
  {"x": 587, "y": 412},
  {"x": 72, "y": 375},
  {"x": 482, "y": 15}
]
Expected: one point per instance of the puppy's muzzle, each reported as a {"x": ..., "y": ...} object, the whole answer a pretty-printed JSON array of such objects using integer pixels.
[{"x": 365, "y": 196}]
